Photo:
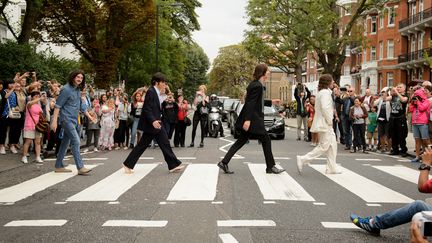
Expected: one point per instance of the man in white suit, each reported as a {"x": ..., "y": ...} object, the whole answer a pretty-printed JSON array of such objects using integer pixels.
[{"x": 323, "y": 125}]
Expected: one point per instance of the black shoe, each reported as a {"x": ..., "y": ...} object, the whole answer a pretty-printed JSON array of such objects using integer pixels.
[
  {"x": 225, "y": 168},
  {"x": 176, "y": 146},
  {"x": 191, "y": 145},
  {"x": 404, "y": 155},
  {"x": 182, "y": 145},
  {"x": 298, "y": 139},
  {"x": 347, "y": 148},
  {"x": 274, "y": 170},
  {"x": 222, "y": 135},
  {"x": 365, "y": 152},
  {"x": 131, "y": 146},
  {"x": 201, "y": 145}
]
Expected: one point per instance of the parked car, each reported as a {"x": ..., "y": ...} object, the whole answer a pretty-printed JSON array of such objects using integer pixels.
[
  {"x": 233, "y": 117},
  {"x": 274, "y": 123},
  {"x": 227, "y": 107}
]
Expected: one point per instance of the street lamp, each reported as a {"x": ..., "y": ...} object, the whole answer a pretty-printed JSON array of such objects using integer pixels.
[{"x": 157, "y": 27}]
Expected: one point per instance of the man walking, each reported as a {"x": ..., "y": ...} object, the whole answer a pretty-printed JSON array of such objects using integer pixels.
[
  {"x": 153, "y": 129},
  {"x": 323, "y": 125}
]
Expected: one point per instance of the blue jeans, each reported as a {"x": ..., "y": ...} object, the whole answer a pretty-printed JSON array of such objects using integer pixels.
[
  {"x": 347, "y": 128},
  {"x": 401, "y": 215},
  {"x": 71, "y": 135},
  {"x": 134, "y": 130}
]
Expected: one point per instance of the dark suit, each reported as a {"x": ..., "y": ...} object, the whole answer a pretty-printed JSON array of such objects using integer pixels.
[
  {"x": 150, "y": 113},
  {"x": 252, "y": 111}
]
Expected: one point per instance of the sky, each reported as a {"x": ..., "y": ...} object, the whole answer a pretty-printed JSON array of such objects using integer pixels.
[{"x": 222, "y": 23}]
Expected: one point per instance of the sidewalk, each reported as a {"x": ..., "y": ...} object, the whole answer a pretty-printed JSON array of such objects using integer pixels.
[{"x": 292, "y": 122}]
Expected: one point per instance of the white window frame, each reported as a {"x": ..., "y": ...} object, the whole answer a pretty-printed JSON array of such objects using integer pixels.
[
  {"x": 391, "y": 12},
  {"x": 390, "y": 52},
  {"x": 373, "y": 53},
  {"x": 381, "y": 21},
  {"x": 381, "y": 50},
  {"x": 373, "y": 22},
  {"x": 413, "y": 43},
  {"x": 420, "y": 40},
  {"x": 390, "y": 79},
  {"x": 347, "y": 10}
]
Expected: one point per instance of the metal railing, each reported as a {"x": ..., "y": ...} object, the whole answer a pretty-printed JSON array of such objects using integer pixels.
[
  {"x": 416, "y": 18},
  {"x": 416, "y": 55}
]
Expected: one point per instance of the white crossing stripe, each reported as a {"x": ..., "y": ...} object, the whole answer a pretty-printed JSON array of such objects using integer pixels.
[
  {"x": 363, "y": 187},
  {"x": 246, "y": 223},
  {"x": 27, "y": 188},
  {"x": 113, "y": 186},
  {"x": 227, "y": 238},
  {"x": 197, "y": 183},
  {"x": 402, "y": 172},
  {"x": 278, "y": 187},
  {"x": 368, "y": 159},
  {"x": 339, "y": 225},
  {"x": 20, "y": 223},
  {"x": 136, "y": 223},
  {"x": 281, "y": 158},
  {"x": 147, "y": 158},
  {"x": 373, "y": 204},
  {"x": 186, "y": 158}
]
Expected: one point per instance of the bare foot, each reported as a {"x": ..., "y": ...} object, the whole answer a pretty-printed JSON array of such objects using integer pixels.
[{"x": 127, "y": 170}]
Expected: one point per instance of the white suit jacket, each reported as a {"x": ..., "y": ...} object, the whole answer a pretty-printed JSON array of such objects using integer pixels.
[{"x": 323, "y": 119}]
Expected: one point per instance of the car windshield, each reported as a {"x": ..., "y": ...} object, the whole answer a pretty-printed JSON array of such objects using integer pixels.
[
  {"x": 269, "y": 110},
  {"x": 228, "y": 102}
]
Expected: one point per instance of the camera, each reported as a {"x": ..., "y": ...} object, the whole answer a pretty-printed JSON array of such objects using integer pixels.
[
  {"x": 344, "y": 89},
  {"x": 424, "y": 221},
  {"x": 414, "y": 98}
]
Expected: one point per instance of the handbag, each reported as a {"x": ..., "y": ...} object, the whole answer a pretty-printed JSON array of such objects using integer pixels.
[
  {"x": 42, "y": 125},
  {"x": 13, "y": 114},
  {"x": 187, "y": 121}
]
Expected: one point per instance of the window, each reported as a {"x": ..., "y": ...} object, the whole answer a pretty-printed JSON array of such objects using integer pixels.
[
  {"x": 312, "y": 78},
  {"x": 381, "y": 50},
  {"x": 413, "y": 43},
  {"x": 373, "y": 25},
  {"x": 421, "y": 5},
  {"x": 413, "y": 8},
  {"x": 390, "y": 49},
  {"x": 391, "y": 17},
  {"x": 312, "y": 63},
  {"x": 381, "y": 21},
  {"x": 420, "y": 40},
  {"x": 373, "y": 53},
  {"x": 389, "y": 79},
  {"x": 347, "y": 10}
]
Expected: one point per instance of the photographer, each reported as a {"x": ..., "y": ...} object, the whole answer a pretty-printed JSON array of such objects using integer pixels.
[
  {"x": 420, "y": 109},
  {"x": 398, "y": 103},
  {"x": 402, "y": 215},
  {"x": 301, "y": 114}
]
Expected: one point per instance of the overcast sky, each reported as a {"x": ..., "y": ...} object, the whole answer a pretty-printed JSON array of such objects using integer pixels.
[{"x": 222, "y": 23}]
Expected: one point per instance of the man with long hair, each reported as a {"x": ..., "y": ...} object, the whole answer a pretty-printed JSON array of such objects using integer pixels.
[
  {"x": 251, "y": 122},
  {"x": 68, "y": 106},
  {"x": 323, "y": 125}
]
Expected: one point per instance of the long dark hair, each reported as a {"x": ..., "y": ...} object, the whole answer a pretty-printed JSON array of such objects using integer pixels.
[
  {"x": 324, "y": 81},
  {"x": 72, "y": 77},
  {"x": 260, "y": 70}
]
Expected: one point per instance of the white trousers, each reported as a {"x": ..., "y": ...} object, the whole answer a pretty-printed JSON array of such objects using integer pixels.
[{"x": 327, "y": 145}]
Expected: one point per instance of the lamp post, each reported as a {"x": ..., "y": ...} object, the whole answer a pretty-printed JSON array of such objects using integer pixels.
[{"x": 157, "y": 28}]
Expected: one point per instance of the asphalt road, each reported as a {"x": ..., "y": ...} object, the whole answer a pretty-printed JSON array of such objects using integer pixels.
[{"x": 202, "y": 204}]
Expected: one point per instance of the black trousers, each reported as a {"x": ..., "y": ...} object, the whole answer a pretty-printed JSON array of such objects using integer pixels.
[
  {"x": 398, "y": 134},
  {"x": 359, "y": 136},
  {"x": 202, "y": 119},
  {"x": 180, "y": 134},
  {"x": 243, "y": 138},
  {"x": 120, "y": 132},
  {"x": 163, "y": 142}
]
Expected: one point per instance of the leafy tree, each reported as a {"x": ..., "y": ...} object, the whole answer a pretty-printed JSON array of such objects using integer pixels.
[
  {"x": 232, "y": 71},
  {"x": 197, "y": 65}
]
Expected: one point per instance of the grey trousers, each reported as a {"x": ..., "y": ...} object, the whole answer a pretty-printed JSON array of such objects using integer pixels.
[{"x": 301, "y": 120}]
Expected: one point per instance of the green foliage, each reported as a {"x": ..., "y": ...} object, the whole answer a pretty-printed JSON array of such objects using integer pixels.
[
  {"x": 197, "y": 65},
  {"x": 232, "y": 71},
  {"x": 22, "y": 58}
]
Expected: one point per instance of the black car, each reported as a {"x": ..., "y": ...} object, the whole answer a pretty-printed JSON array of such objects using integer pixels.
[
  {"x": 274, "y": 123},
  {"x": 227, "y": 108}
]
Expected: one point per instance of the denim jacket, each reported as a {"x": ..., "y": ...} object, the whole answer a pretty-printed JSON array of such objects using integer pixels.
[{"x": 70, "y": 104}]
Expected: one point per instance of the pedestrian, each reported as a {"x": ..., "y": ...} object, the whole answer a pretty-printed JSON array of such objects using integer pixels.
[
  {"x": 33, "y": 112},
  {"x": 358, "y": 114},
  {"x": 398, "y": 122},
  {"x": 372, "y": 129},
  {"x": 152, "y": 128},
  {"x": 323, "y": 125},
  {"x": 93, "y": 128},
  {"x": 180, "y": 130},
  {"x": 136, "y": 108},
  {"x": 251, "y": 122},
  {"x": 169, "y": 114},
  {"x": 200, "y": 115},
  {"x": 348, "y": 102},
  {"x": 310, "y": 107},
  {"x": 420, "y": 109},
  {"x": 9, "y": 117},
  {"x": 66, "y": 110},
  {"x": 123, "y": 109},
  {"x": 383, "y": 112},
  {"x": 301, "y": 94},
  {"x": 106, "y": 140}
]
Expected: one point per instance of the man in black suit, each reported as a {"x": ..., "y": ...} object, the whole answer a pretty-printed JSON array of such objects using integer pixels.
[
  {"x": 251, "y": 122},
  {"x": 150, "y": 124}
]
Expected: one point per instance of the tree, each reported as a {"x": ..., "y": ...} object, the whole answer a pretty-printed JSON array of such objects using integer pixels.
[
  {"x": 232, "y": 71},
  {"x": 197, "y": 65}
]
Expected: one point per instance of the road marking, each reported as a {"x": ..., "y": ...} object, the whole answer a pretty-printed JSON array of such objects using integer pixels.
[
  {"x": 113, "y": 186},
  {"x": 227, "y": 238},
  {"x": 166, "y": 203},
  {"x": 363, "y": 187},
  {"x": 373, "y": 204},
  {"x": 229, "y": 144},
  {"x": 366, "y": 164},
  {"x": 113, "y": 203},
  {"x": 149, "y": 158},
  {"x": 136, "y": 223},
  {"x": 281, "y": 158},
  {"x": 246, "y": 223},
  {"x": 278, "y": 187},
  {"x": 339, "y": 225},
  {"x": 60, "y": 203},
  {"x": 368, "y": 159},
  {"x": 186, "y": 158},
  {"x": 217, "y": 202},
  {"x": 321, "y": 159},
  {"x": 27, "y": 188},
  {"x": 269, "y": 202},
  {"x": 93, "y": 159},
  {"x": 20, "y": 223},
  {"x": 197, "y": 183},
  {"x": 404, "y": 160},
  {"x": 319, "y": 204},
  {"x": 402, "y": 172}
]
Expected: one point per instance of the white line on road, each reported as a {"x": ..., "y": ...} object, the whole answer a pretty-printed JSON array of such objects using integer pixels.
[
  {"x": 136, "y": 223},
  {"x": 166, "y": 203},
  {"x": 227, "y": 145},
  {"x": 373, "y": 204},
  {"x": 197, "y": 183},
  {"x": 402, "y": 172},
  {"x": 363, "y": 187},
  {"x": 319, "y": 204},
  {"x": 217, "y": 202},
  {"x": 27, "y": 188},
  {"x": 185, "y": 158},
  {"x": 113, "y": 203},
  {"x": 269, "y": 202},
  {"x": 149, "y": 158},
  {"x": 246, "y": 223},
  {"x": 278, "y": 187},
  {"x": 113, "y": 186},
  {"x": 282, "y": 158},
  {"x": 227, "y": 238},
  {"x": 339, "y": 225},
  {"x": 19, "y": 223},
  {"x": 60, "y": 203},
  {"x": 368, "y": 159}
]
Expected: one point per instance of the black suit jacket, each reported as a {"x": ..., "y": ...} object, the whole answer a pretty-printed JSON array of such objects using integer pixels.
[
  {"x": 253, "y": 109},
  {"x": 151, "y": 112}
]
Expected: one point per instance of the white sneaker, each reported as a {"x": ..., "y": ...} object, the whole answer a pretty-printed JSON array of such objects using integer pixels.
[
  {"x": 337, "y": 171},
  {"x": 24, "y": 160},
  {"x": 13, "y": 150},
  {"x": 299, "y": 164},
  {"x": 85, "y": 150},
  {"x": 125, "y": 148},
  {"x": 2, "y": 150},
  {"x": 38, "y": 160},
  {"x": 96, "y": 150}
]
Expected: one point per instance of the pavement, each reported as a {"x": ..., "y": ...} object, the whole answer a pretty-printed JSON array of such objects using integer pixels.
[{"x": 292, "y": 123}]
